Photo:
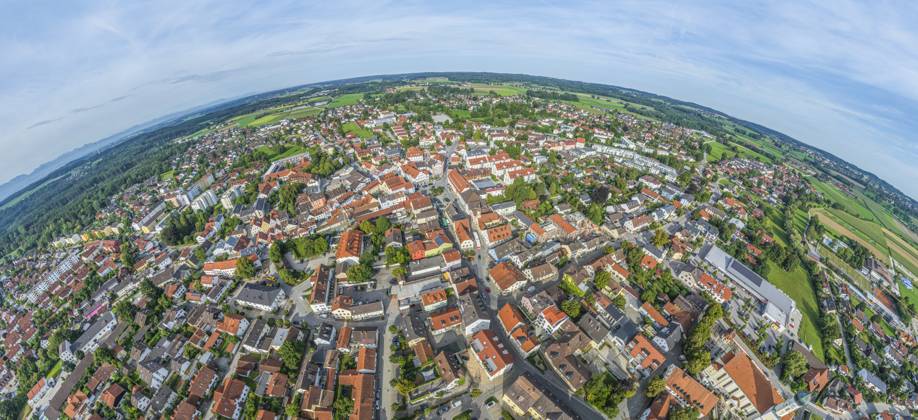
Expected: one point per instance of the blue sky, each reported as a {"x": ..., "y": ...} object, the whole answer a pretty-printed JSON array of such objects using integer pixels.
[{"x": 842, "y": 76}]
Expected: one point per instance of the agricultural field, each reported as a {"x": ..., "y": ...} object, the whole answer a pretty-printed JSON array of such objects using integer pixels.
[
  {"x": 845, "y": 200},
  {"x": 801, "y": 220},
  {"x": 344, "y": 100},
  {"x": 266, "y": 117},
  {"x": 839, "y": 226},
  {"x": 796, "y": 284},
  {"x": 500, "y": 90},
  {"x": 718, "y": 150},
  {"x": 866, "y": 221},
  {"x": 855, "y": 276},
  {"x": 596, "y": 104},
  {"x": 878, "y": 240}
]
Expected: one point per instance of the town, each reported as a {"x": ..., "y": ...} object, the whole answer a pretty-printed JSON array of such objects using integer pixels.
[{"x": 460, "y": 251}]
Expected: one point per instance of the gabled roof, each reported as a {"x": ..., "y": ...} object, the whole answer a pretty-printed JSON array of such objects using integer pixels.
[
  {"x": 510, "y": 317},
  {"x": 690, "y": 390},
  {"x": 751, "y": 381}
]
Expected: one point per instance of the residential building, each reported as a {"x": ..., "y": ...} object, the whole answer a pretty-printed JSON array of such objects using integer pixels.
[
  {"x": 746, "y": 390},
  {"x": 492, "y": 357}
]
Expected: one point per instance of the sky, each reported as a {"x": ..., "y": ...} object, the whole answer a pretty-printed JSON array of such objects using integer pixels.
[{"x": 841, "y": 76}]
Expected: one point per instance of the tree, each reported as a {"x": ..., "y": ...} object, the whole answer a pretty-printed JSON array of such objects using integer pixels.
[
  {"x": 359, "y": 273},
  {"x": 794, "y": 365},
  {"x": 697, "y": 357},
  {"x": 605, "y": 392},
  {"x": 656, "y": 386},
  {"x": 343, "y": 407},
  {"x": 698, "y": 362},
  {"x": 660, "y": 238},
  {"x": 382, "y": 225},
  {"x": 276, "y": 253},
  {"x": 290, "y": 354},
  {"x": 601, "y": 279},
  {"x": 404, "y": 386},
  {"x": 127, "y": 255},
  {"x": 367, "y": 227},
  {"x": 397, "y": 255},
  {"x": 149, "y": 290},
  {"x": 684, "y": 413},
  {"x": 123, "y": 310},
  {"x": 11, "y": 407},
  {"x": 200, "y": 254},
  {"x": 245, "y": 269},
  {"x": 595, "y": 213},
  {"x": 571, "y": 307}
]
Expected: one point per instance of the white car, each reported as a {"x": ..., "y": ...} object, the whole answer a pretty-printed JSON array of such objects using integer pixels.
[{"x": 457, "y": 403}]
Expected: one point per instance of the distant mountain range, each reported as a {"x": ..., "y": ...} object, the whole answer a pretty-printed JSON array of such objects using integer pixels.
[{"x": 21, "y": 182}]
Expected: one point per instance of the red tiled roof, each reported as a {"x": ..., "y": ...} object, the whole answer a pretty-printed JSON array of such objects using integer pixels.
[
  {"x": 510, "y": 317},
  {"x": 751, "y": 381}
]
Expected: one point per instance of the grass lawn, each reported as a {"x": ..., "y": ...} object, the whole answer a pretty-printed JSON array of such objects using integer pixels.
[
  {"x": 280, "y": 152},
  {"x": 597, "y": 104},
  {"x": 165, "y": 176},
  {"x": 796, "y": 284},
  {"x": 910, "y": 295},
  {"x": 55, "y": 370},
  {"x": 748, "y": 153},
  {"x": 361, "y": 132},
  {"x": 777, "y": 231},
  {"x": 246, "y": 120},
  {"x": 883, "y": 324},
  {"x": 717, "y": 151},
  {"x": 26, "y": 411},
  {"x": 459, "y": 114},
  {"x": 295, "y": 150},
  {"x": 765, "y": 145}
]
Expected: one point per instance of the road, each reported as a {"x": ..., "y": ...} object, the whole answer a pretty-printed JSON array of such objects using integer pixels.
[
  {"x": 66, "y": 387},
  {"x": 386, "y": 370},
  {"x": 548, "y": 380}
]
